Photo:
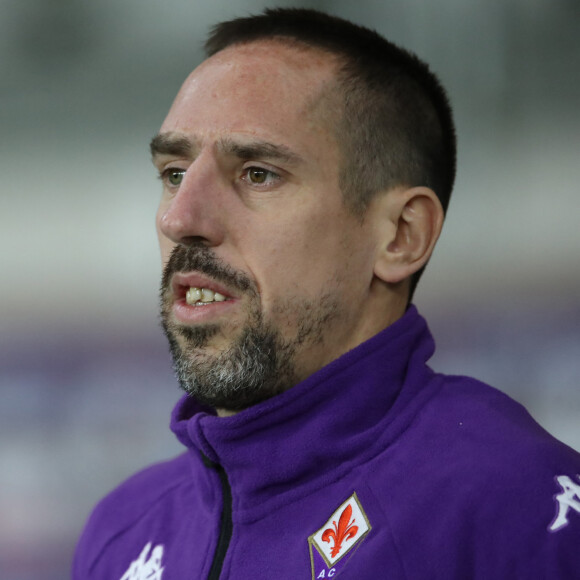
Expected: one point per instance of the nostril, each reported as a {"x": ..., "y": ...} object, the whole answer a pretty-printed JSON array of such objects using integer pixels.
[{"x": 194, "y": 241}]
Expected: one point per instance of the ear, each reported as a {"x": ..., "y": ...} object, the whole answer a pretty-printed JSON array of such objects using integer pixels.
[{"x": 415, "y": 219}]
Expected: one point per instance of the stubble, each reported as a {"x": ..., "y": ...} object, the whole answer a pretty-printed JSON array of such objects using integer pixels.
[{"x": 258, "y": 363}]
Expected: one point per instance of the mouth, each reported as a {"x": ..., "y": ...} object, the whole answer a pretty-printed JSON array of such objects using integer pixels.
[{"x": 195, "y": 291}]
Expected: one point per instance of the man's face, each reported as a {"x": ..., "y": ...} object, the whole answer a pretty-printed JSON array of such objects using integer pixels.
[{"x": 252, "y": 210}]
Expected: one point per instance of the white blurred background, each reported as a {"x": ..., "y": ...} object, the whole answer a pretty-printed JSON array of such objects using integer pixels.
[{"x": 85, "y": 381}]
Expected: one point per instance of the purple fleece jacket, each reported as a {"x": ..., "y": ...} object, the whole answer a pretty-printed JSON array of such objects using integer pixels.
[{"x": 374, "y": 467}]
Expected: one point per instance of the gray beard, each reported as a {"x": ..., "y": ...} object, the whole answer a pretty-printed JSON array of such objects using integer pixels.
[
  {"x": 259, "y": 364},
  {"x": 254, "y": 368}
]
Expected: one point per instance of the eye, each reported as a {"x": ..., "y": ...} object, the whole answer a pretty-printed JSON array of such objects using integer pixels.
[
  {"x": 173, "y": 176},
  {"x": 260, "y": 176}
]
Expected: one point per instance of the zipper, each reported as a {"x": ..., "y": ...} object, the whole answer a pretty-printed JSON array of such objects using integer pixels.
[{"x": 226, "y": 524}]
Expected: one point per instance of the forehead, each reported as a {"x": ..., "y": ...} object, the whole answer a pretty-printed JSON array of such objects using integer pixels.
[{"x": 257, "y": 87}]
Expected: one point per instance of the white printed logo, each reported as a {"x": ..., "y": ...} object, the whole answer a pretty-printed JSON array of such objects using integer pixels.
[
  {"x": 567, "y": 500},
  {"x": 146, "y": 568}
]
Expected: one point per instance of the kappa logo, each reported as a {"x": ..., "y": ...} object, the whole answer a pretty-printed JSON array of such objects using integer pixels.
[
  {"x": 568, "y": 500},
  {"x": 332, "y": 545},
  {"x": 146, "y": 568}
]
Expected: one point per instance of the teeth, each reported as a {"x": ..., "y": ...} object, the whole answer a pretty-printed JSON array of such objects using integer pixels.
[
  {"x": 197, "y": 296},
  {"x": 193, "y": 295},
  {"x": 207, "y": 295}
]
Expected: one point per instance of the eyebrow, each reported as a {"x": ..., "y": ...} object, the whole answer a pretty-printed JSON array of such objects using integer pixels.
[
  {"x": 166, "y": 144},
  {"x": 258, "y": 149}
]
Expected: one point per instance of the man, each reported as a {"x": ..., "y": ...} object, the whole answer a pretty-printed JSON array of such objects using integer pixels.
[{"x": 306, "y": 166}]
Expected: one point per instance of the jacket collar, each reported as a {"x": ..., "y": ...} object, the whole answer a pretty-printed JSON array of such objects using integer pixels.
[{"x": 321, "y": 428}]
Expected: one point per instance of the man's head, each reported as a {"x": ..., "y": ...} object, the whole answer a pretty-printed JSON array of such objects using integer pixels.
[
  {"x": 284, "y": 195},
  {"x": 394, "y": 126}
]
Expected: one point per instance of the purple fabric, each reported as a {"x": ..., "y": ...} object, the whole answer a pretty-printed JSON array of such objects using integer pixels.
[{"x": 456, "y": 480}]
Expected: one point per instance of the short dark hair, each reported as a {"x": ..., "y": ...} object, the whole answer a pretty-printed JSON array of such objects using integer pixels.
[{"x": 396, "y": 126}]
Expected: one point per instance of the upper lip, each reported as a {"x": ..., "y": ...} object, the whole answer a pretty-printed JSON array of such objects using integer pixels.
[{"x": 182, "y": 282}]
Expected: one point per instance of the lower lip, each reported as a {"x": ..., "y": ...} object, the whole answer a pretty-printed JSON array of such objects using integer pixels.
[{"x": 189, "y": 314}]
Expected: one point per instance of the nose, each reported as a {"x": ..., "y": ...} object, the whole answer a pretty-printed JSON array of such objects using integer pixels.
[{"x": 194, "y": 213}]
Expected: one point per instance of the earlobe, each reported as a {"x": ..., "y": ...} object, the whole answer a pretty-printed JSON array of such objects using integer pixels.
[{"x": 415, "y": 219}]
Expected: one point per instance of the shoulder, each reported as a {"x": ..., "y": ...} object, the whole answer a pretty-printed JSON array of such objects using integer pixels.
[
  {"x": 131, "y": 501},
  {"x": 133, "y": 497},
  {"x": 479, "y": 478},
  {"x": 490, "y": 433},
  {"x": 506, "y": 472}
]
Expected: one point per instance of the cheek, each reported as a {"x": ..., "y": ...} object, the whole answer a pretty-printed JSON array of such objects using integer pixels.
[{"x": 302, "y": 258}]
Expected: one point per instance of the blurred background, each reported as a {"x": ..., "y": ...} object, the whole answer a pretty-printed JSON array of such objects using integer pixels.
[{"x": 85, "y": 382}]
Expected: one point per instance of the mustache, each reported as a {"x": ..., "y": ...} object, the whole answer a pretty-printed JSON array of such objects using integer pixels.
[{"x": 202, "y": 259}]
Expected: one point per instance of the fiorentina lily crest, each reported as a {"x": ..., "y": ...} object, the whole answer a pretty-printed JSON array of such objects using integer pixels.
[{"x": 344, "y": 530}]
